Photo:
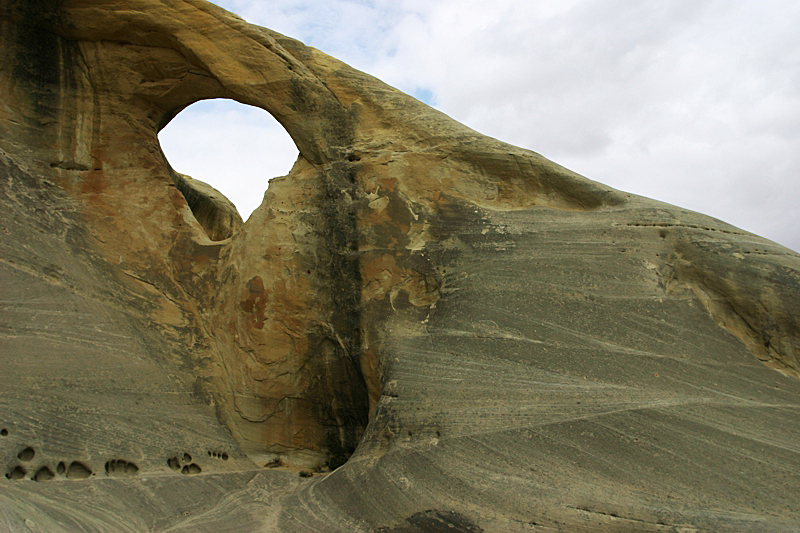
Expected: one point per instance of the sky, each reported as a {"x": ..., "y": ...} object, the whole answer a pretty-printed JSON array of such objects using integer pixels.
[{"x": 691, "y": 102}]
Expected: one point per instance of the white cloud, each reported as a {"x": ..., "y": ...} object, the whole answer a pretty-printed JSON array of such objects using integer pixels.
[{"x": 692, "y": 103}]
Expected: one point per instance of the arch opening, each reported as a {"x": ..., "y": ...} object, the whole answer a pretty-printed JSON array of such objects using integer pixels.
[{"x": 235, "y": 149}]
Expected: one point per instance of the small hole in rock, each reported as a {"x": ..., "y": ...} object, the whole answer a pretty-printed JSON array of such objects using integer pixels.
[
  {"x": 27, "y": 454},
  {"x": 78, "y": 471},
  {"x": 43, "y": 474},
  {"x": 191, "y": 469},
  {"x": 17, "y": 473},
  {"x": 3, "y": 432},
  {"x": 275, "y": 463}
]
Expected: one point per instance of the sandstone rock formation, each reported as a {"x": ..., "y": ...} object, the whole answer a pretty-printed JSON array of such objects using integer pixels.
[{"x": 505, "y": 345}]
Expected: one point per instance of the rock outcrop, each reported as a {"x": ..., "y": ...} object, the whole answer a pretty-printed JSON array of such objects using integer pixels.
[
  {"x": 437, "y": 330},
  {"x": 216, "y": 214}
]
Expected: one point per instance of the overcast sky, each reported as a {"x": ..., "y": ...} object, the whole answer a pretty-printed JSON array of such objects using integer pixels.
[{"x": 693, "y": 102}]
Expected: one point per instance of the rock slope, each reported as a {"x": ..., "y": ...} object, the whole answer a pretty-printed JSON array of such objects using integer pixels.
[{"x": 420, "y": 329}]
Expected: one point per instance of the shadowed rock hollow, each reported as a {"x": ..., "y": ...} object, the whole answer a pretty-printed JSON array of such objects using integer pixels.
[{"x": 502, "y": 345}]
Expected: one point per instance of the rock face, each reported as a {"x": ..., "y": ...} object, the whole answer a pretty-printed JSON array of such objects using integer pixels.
[{"x": 505, "y": 345}]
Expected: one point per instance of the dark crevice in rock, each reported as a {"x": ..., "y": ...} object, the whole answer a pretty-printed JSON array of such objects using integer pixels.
[
  {"x": 434, "y": 521},
  {"x": 38, "y": 60},
  {"x": 341, "y": 386}
]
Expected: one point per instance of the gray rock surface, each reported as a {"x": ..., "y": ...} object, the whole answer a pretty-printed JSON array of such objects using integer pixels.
[{"x": 502, "y": 345}]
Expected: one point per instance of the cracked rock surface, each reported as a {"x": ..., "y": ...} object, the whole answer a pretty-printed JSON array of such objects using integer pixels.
[{"x": 421, "y": 329}]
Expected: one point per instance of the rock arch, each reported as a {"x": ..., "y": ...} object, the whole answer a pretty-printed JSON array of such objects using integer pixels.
[{"x": 487, "y": 327}]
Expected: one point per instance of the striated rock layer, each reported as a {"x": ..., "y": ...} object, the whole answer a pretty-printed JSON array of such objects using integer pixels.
[{"x": 505, "y": 345}]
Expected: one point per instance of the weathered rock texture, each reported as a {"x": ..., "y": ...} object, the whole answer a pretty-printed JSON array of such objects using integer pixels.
[{"x": 510, "y": 346}]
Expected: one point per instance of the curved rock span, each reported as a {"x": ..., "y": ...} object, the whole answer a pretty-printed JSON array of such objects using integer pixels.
[{"x": 420, "y": 329}]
